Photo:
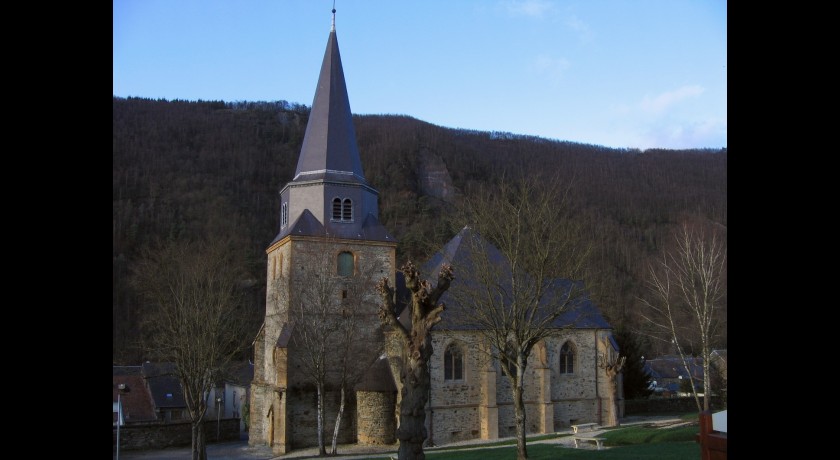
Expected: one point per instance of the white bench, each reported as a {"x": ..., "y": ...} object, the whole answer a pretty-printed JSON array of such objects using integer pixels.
[
  {"x": 581, "y": 425},
  {"x": 598, "y": 441}
]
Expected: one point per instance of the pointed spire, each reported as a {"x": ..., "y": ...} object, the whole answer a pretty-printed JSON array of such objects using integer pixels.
[{"x": 329, "y": 147}]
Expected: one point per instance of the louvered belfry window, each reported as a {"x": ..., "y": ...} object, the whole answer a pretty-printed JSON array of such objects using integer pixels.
[
  {"x": 347, "y": 210},
  {"x": 336, "y": 211}
]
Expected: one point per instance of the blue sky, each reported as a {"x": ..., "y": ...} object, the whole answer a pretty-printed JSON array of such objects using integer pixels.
[{"x": 618, "y": 73}]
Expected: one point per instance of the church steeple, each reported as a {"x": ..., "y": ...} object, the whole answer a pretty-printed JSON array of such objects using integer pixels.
[
  {"x": 329, "y": 194},
  {"x": 329, "y": 146}
]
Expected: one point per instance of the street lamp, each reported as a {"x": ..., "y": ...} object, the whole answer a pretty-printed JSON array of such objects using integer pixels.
[
  {"x": 218, "y": 414},
  {"x": 121, "y": 388}
]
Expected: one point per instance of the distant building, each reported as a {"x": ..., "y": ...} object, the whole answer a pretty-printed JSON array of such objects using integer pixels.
[{"x": 668, "y": 372}]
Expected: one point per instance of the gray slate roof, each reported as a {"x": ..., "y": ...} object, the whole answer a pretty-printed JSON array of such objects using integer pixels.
[
  {"x": 329, "y": 149},
  {"x": 581, "y": 314},
  {"x": 378, "y": 377},
  {"x": 309, "y": 225},
  {"x": 164, "y": 385}
]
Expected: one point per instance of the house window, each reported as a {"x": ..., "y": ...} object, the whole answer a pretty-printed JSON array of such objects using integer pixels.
[
  {"x": 453, "y": 363},
  {"x": 567, "y": 359},
  {"x": 345, "y": 263}
]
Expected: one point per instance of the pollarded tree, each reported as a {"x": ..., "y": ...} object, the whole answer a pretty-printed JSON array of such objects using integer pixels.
[
  {"x": 197, "y": 318},
  {"x": 416, "y": 348},
  {"x": 687, "y": 300},
  {"x": 611, "y": 363},
  {"x": 518, "y": 286}
]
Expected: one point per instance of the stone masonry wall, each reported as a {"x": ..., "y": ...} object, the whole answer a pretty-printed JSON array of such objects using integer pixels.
[
  {"x": 574, "y": 397},
  {"x": 372, "y": 260},
  {"x": 157, "y": 435},
  {"x": 260, "y": 400},
  {"x": 375, "y": 419}
]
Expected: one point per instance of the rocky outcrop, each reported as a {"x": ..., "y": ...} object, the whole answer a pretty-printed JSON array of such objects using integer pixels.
[{"x": 434, "y": 178}]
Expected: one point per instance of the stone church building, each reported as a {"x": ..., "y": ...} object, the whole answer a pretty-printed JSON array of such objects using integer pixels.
[{"x": 330, "y": 209}]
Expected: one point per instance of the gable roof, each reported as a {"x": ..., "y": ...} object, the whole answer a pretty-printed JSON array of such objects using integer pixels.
[
  {"x": 671, "y": 367},
  {"x": 581, "y": 313},
  {"x": 136, "y": 399},
  {"x": 164, "y": 385}
]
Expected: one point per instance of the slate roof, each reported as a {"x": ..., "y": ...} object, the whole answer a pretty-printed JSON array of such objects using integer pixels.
[
  {"x": 309, "y": 225},
  {"x": 239, "y": 373},
  {"x": 285, "y": 335},
  {"x": 378, "y": 377},
  {"x": 671, "y": 367},
  {"x": 329, "y": 150},
  {"x": 164, "y": 385},
  {"x": 582, "y": 313}
]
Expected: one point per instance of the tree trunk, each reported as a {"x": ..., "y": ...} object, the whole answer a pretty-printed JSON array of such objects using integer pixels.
[
  {"x": 417, "y": 350},
  {"x": 199, "y": 443},
  {"x": 707, "y": 382},
  {"x": 519, "y": 414},
  {"x": 338, "y": 422},
  {"x": 322, "y": 450},
  {"x": 612, "y": 419},
  {"x": 415, "y": 394}
]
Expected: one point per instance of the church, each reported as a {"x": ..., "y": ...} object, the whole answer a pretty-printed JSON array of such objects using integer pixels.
[{"x": 329, "y": 208}]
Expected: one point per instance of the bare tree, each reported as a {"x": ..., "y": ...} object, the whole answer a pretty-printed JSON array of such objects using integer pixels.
[
  {"x": 416, "y": 346},
  {"x": 612, "y": 365},
  {"x": 327, "y": 308},
  {"x": 687, "y": 297},
  {"x": 197, "y": 319},
  {"x": 524, "y": 280}
]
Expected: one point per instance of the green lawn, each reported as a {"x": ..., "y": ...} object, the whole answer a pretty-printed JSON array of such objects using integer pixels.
[
  {"x": 634, "y": 442},
  {"x": 663, "y": 451}
]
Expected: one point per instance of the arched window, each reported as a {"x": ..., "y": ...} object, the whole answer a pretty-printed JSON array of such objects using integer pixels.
[
  {"x": 336, "y": 211},
  {"x": 345, "y": 264},
  {"x": 567, "y": 359},
  {"x": 347, "y": 210},
  {"x": 284, "y": 215},
  {"x": 342, "y": 210},
  {"x": 453, "y": 363}
]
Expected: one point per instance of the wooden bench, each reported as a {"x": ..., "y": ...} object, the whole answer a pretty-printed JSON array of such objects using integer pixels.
[
  {"x": 581, "y": 425},
  {"x": 598, "y": 441}
]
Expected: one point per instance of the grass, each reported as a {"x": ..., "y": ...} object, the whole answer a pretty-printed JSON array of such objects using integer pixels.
[
  {"x": 662, "y": 451},
  {"x": 632, "y": 442}
]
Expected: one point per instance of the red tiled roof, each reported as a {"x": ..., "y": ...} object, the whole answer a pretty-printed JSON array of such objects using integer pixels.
[{"x": 137, "y": 401}]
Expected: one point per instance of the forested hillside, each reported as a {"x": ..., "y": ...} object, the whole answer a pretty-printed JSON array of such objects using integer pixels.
[{"x": 184, "y": 168}]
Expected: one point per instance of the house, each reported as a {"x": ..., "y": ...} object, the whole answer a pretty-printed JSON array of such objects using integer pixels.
[
  {"x": 165, "y": 388},
  {"x": 230, "y": 395},
  {"x": 668, "y": 372},
  {"x": 329, "y": 208},
  {"x": 136, "y": 400}
]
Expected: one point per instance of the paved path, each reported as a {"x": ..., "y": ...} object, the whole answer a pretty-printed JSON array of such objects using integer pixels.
[{"x": 239, "y": 450}]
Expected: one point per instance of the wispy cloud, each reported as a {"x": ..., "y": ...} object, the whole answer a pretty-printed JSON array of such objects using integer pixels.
[
  {"x": 582, "y": 28},
  {"x": 661, "y": 102},
  {"x": 553, "y": 67},
  {"x": 533, "y": 8}
]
